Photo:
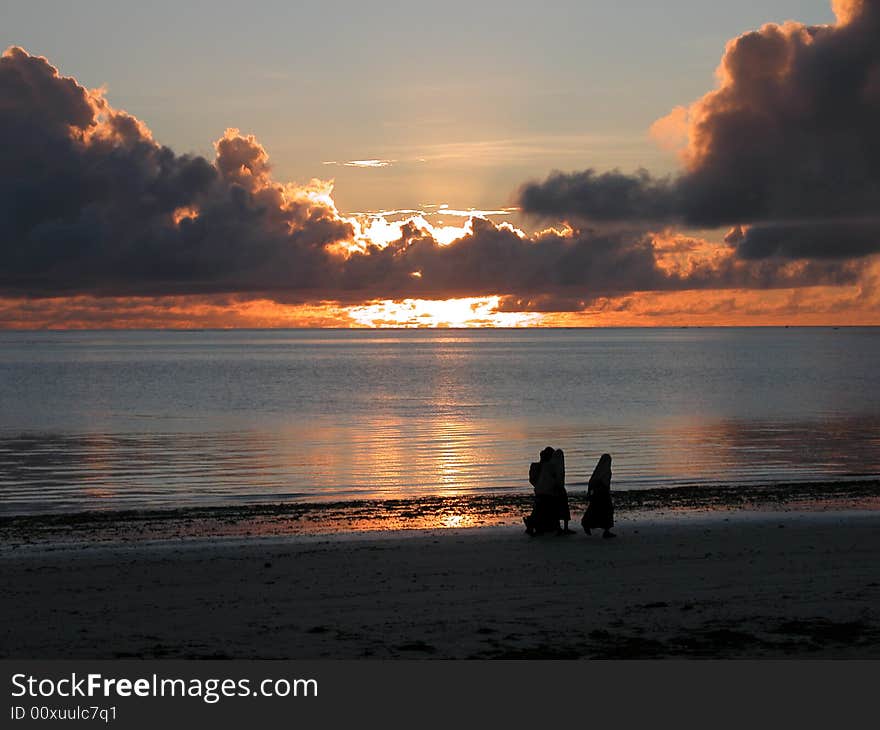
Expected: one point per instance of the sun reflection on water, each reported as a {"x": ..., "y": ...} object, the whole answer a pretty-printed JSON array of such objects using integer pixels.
[{"x": 458, "y": 520}]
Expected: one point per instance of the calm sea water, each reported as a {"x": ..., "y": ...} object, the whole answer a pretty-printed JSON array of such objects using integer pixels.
[{"x": 119, "y": 420}]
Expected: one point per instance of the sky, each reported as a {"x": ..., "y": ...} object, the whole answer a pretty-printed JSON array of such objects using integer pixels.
[{"x": 628, "y": 163}]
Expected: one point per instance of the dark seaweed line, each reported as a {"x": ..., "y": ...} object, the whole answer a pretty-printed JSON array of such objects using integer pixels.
[{"x": 667, "y": 498}]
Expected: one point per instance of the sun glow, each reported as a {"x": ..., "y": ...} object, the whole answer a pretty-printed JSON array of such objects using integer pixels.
[
  {"x": 465, "y": 312},
  {"x": 377, "y": 230},
  {"x": 187, "y": 212}
]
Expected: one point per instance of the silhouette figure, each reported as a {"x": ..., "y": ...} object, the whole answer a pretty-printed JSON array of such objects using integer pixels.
[
  {"x": 543, "y": 477},
  {"x": 547, "y": 476},
  {"x": 600, "y": 510},
  {"x": 561, "y": 496}
]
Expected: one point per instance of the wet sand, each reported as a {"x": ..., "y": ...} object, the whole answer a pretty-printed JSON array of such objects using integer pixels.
[{"x": 726, "y": 583}]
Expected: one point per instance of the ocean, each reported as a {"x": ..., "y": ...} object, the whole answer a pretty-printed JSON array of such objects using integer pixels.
[{"x": 118, "y": 420}]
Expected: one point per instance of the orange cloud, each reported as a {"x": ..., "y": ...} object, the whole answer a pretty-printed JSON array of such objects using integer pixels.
[
  {"x": 814, "y": 306},
  {"x": 671, "y": 131},
  {"x": 848, "y": 10},
  {"x": 188, "y": 312}
]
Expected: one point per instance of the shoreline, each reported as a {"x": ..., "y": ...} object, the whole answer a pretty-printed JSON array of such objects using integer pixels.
[
  {"x": 633, "y": 523},
  {"x": 742, "y": 584},
  {"x": 427, "y": 513}
]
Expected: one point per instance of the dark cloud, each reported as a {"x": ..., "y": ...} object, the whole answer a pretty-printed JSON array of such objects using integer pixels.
[
  {"x": 90, "y": 204},
  {"x": 553, "y": 270},
  {"x": 819, "y": 240},
  {"x": 497, "y": 260},
  {"x": 543, "y": 304},
  {"x": 604, "y": 197},
  {"x": 790, "y": 134}
]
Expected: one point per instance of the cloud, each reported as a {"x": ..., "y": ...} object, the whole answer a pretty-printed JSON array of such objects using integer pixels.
[
  {"x": 816, "y": 240},
  {"x": 362, "y": 163},
  {"x": 92, "y": 206},
  {"x": 787, "y": 139},
  {"x": 608, "y": 197},
  {"x": 170, "y": 312},
  {"x": 89, "y": 202},
  {"x": 567, "y": 265}
]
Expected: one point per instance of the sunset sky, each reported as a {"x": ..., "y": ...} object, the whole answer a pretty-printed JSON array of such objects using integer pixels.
[{"x": 323, "y": 164}]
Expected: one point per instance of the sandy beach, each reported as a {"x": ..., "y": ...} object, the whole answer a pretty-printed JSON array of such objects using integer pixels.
[{"x": 728, "y": 584}]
